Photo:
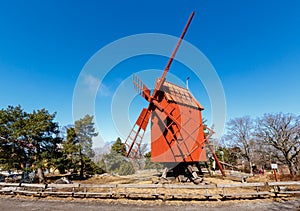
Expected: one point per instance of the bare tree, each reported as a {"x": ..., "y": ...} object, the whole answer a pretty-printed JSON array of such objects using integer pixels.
[
  {"x": 282, "y": 132},
  {"x": 140, "y": 160},
  {"x": 240, "y": 134}
]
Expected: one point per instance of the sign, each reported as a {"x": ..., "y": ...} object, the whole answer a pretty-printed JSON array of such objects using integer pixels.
[{"x": 274, "y": 166}]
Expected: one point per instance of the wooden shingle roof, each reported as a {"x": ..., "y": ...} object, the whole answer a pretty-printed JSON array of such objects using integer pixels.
[{"x": 180, "y": 95}]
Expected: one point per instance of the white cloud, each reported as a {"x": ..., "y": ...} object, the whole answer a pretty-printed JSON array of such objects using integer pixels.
[
  {"x": 104, "y": 91},
  {"x": 94, "y": 86},
  {"x": 92, "y": 83}
]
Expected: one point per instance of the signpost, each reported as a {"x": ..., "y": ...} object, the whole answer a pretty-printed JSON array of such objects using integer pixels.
[{"x": 274, "y": 167}]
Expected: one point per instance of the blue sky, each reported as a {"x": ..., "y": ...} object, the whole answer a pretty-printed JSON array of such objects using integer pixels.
[{"x": 254, "y": 46}]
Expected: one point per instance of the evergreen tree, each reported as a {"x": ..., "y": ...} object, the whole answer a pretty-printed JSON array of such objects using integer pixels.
[
  {"x": 116, "y": 162},
  {"x": 77, "y": 148},
  {"x": 71, "y": 151},
  {"x": 12, "y": 152},
  {"x": 85, "y": 131},
  {"x": 30, "y": 138},
  {"x": 118, "y": 147}
]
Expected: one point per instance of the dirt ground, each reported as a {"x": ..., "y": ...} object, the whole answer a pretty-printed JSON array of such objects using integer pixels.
[{"x": 26, "y": 204}]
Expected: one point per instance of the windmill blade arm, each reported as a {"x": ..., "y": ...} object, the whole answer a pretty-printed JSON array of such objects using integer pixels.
[
  {"x": 174, "y": 53},
  {"x": 141, "y": 88}
]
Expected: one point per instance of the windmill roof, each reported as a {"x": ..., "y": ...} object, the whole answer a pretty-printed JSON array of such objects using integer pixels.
[{"x": 180, "y": 95}]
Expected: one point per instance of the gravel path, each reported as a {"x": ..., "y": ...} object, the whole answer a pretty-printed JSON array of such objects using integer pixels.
[{"x": 26, "y": 204}]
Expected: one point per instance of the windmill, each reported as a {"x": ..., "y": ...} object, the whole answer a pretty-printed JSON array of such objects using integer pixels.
[{"x": 177, "y": 130}]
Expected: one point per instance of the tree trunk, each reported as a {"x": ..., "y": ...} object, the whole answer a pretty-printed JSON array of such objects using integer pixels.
[
  {"x": 291, "y": 168},
  {"x": 40, "y": 172},
  {"x": 250, "y": 165},
  {"x": 40, "y": 175},
  {"x": 81, "y": 164}
]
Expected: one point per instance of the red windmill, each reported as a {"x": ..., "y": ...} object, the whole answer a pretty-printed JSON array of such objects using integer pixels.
[{"x": 177, "y": 130}]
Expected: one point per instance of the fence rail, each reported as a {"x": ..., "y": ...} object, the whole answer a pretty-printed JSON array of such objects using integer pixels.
[
  {"x": 155, "y": 191},
  {"x": 288, "y": 187}
]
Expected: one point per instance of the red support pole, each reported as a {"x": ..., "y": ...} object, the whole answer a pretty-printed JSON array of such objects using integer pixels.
[
  {"x": 275, "y": 175},
  {"x": 216, "y": 158},
  {"x": 211, "y": 132}
]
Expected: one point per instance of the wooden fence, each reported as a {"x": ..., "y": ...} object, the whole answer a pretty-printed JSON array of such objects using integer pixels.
[{"x": 154, "y": 191}]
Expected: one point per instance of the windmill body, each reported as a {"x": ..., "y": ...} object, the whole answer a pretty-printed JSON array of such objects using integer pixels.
[
  {"x": 180, "y": 141},
  {"x": 177, "y": 130}
]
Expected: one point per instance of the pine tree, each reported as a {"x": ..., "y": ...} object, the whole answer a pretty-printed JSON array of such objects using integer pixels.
[
  {"x": 78, "y": 147},
  {"x": 30, "y": 138}
]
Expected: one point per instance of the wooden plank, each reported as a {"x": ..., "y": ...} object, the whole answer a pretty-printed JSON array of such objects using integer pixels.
[
  {"x": 254, "y": 184},
  {"x": 6, "y": 190},
  {"x": 33, "y": 185},
  {"x": 246, "y": 194},
  {"x": 146, "y": 187},
  {"x": 97, "y": 185},
  {"x": 27, "y": 192},
  {"x": 139, "y": 193},
  {"x": 191, "y": 195},
  {"x": 59, "y": 186},
  {"x": 93, "y": 193},
  {"x": 139, "y": 186},
  {"x": 284, "y": 183},
  {"x": 289, "y": 192},
  {"x": 9, "y": 184},
  {"x": 56, "y": 193},
  {"x": 189, "y": 186}
]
